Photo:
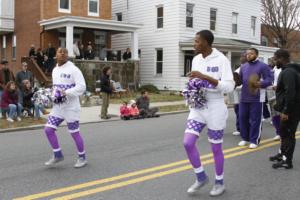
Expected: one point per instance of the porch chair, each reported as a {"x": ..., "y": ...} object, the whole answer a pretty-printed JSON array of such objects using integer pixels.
[{"x": 119, "y": 90}]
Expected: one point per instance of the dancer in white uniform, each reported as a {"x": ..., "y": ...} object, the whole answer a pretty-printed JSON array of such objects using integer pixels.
[
  {"x": 213, "y": 67},
  {"x": 68, "y": 85}
]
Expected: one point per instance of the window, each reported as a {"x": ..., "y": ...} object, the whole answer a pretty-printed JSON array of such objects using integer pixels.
[
  {"x": 14, "y": 45},
  {"x": 64, "y": 6},
  {"x": 160, "y": 17},
  {"x": 253, "y": 25},
  {"x": 119, "y": 17},
  {"x": 264, "y": 41},
  {"x": 3, "y": 50},
  {"x": 189, "y": 15},
  {"x": 93, "y": 8},
  {"x": 159, "y": 61},
  {"x": 213, "y": 19},
  {"x": 235, "y": 23}
]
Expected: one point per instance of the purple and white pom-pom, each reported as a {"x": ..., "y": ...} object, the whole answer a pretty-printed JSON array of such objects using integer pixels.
[
  {"x": 195, "y": 93},
  {"x": 58, "y": 97}
]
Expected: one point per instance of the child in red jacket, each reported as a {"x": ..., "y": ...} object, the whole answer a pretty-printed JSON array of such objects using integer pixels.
[
  {"x": 134, "y": 111},
  {"x": 124, "y": 111}
]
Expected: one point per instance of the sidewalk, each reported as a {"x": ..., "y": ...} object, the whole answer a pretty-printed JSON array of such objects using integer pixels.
[{"x": 91, "y": 114}]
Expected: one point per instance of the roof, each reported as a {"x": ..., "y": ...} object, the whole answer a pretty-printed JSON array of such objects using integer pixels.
[
  {"x": 86, "y": 22},
  {"x": 219, "y": 43}
]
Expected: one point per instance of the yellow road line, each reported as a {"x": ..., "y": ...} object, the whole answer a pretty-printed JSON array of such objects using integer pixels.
[
  {"x": 156, "y": 175},
  {"x": 123, "y": 176}
]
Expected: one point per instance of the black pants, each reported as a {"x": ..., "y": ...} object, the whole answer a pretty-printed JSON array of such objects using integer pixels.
[{"x": 288, "y": 136}]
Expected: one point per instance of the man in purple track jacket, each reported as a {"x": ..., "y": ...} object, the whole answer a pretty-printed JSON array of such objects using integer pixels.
[{"x": 255, "y": 76}]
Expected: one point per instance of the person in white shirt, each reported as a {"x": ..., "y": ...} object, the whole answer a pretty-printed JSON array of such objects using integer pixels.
[
  {"x": 236, "y": 94},
  {"x": 68, "y": 85},
  {"x": 271, "y": 96},
  {"x": 211, "y": 66},
  {"x": 76, "y": 51}
]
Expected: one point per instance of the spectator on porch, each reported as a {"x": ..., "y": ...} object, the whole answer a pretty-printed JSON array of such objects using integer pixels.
[
  {"x": 40, "y": 58},
  {"x": 32, "y": 52},
  {"x": 9, "y": 103},
  {"x": 127, "y": 54},
  {"x": 76, "y": 50},
  {"x": 81, "y": 52},
  {"x": 90, "y": 54},
  {"x": 50, "y": 52},
  {"x": 21, "y": 77}
]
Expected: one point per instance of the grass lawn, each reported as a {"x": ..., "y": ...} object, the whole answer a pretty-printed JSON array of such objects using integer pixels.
[
  {"x": 162, "y": 97},
  {"x": 4, "y": 124},
  {"x": 181, "y": 107}
]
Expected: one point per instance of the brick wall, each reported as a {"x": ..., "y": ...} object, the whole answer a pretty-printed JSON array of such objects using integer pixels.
[
  {"x": 27, "y": 29},
  {"x": 78, "y": 8}
]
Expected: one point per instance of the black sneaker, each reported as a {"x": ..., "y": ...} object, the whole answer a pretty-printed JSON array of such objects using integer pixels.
[
  {"x": 283, "y": 164},
  {"x": 277, "y": 157}
]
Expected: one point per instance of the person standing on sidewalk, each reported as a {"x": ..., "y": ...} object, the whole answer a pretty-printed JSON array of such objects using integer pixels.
[
  {"x": 213, "y": 68},
  {"x": 106, "y": 91},
  {"x": 255, "y": 76},
  {"x": 68, "y": 85},
  {"x": 288, "y": 104}
]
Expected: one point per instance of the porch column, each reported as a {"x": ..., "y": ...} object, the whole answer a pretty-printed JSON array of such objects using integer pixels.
[
  {"x": 69, "y": 39},
  {"x": 229, "y": 56},
  {"x": 134, "y": 45}
]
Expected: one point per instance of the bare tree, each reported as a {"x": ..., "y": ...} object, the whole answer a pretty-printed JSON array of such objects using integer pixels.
[{"x": 282, "y": 17}]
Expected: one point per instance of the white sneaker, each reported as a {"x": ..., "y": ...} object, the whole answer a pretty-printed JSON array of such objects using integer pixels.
[
  {"x": 217, "y": 190},
  {"x": 242, "y": 143},
  {"x": 276, "y": 138},
  {"x": 10, "y": 119},
  {"x": 196, "y": 186},
  {"x": 253, "y": 146},
  {"x": 236, "y": 133},
  {"x": 53, "y": 161},
  {"x": 19, "y": 119},
  {"x": 80, "y": 163}
]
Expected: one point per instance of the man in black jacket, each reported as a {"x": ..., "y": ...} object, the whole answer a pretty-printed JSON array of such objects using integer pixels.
[
  {"x": 106, "y": 90},
  {"x": 143, "y": 103},
  {"x": 288, "y": 104}
]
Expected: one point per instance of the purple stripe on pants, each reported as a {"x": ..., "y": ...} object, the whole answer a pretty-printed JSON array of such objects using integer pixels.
[{"x": 250, "y": 121}]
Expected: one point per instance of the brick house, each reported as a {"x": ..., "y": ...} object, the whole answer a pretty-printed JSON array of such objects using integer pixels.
[
  {"x": 59, "y": 22},
  {"x": 268, "y": 39}
]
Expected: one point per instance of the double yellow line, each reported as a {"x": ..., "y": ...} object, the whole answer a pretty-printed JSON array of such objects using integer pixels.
[{"x": 148, "y": 174}]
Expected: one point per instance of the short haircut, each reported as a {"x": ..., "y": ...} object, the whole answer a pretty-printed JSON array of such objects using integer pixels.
[
  {"x": 253, "y": 49},
  {"x": 282, "y": 53},
  {"x": 207, "y": 35},
  {"x": 105, "y": 69}
]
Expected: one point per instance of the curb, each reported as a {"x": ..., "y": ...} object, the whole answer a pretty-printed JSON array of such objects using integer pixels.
[{"x": 36, "y": 127}]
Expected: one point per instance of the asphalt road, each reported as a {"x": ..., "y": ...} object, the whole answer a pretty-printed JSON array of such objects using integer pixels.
[{"x": 139, "y": 160}]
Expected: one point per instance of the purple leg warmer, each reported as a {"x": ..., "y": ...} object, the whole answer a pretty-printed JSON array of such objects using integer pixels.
[
  {"x": 219, "y": 162},
  {"x": 52, "y": 138},
  {"x": 189, "y": 143},
  {"x": 79, "y": 144}
]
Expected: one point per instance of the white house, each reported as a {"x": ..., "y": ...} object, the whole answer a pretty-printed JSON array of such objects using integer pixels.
[{"x": 169, "y": 27}]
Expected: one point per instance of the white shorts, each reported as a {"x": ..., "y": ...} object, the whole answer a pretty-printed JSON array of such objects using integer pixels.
[
  {"x": 58, "y": 115},
  {"x": 214, "y": 117}
]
